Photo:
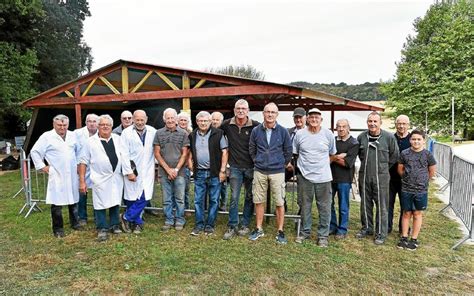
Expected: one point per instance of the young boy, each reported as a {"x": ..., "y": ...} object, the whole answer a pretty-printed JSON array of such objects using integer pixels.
[{"x": 416, "y": 166}]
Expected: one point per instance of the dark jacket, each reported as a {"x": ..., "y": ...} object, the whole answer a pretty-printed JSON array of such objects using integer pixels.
[
  {"x": 215, "y": 152},
  {"x": 387, "y": 151},
  {"x": 238, "y": 138},
  {"x": 273, "y": 158}
]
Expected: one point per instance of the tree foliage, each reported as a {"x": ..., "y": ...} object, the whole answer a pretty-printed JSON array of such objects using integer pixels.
[
  {"x": 247, "y": 71},
  {"x": 62, "y": 54},
  {"x": 437, "y": 65},
  {"x": 40, "y": 47},
  {"x": 361, "y": 92}
]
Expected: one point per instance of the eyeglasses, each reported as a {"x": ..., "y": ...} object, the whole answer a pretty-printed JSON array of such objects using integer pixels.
[
  {"x": 127, "y": 118},
  {"x": 270, "y": 112}
]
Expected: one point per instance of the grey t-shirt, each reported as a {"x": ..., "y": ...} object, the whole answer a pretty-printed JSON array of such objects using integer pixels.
[
  {"x": 202, "y": 150},
  {"x": 416, "y": 177},
  {"x": 171, "y": 144},
  {"x": 313, "y": 154}
]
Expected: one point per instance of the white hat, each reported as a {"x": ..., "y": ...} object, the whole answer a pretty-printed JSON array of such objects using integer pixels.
[{"x": 314, "y": 110}]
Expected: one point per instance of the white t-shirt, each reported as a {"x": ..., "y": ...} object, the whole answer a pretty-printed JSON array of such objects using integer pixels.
[{"x": 313, "y": 154}]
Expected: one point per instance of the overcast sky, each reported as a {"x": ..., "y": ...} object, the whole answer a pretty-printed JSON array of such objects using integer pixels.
[{"x": 314, "y": 41}]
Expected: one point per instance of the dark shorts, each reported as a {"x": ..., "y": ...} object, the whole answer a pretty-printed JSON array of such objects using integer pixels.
[{"x": 414, "y": 201}]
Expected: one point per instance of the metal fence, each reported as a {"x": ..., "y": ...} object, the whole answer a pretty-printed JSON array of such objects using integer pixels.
[
  {"x": 444, "y": 158},
  {"x": 459, "y": 173}
]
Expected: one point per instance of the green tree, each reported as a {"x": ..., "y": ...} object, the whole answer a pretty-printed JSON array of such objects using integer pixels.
[
  {"x": 16, "y": 79},
  {"x": 247, "y": 71},
  {"x": 61, "y": 51},
  {"x": 436, "y": 65}
]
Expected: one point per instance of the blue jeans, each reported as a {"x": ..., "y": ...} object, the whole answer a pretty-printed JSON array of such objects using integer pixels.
[
  {"x": 101, "y": 217},
  {"x": 82, "y": 206},
  {"x": 342, "y": 190},
  {"x": 236, "y": 178},
  {"x": 173, "y": 188},
  {"x": 223, "y": 195},
  {"x": 203, "y": 183},
  {"x": 134, "y": 210}
]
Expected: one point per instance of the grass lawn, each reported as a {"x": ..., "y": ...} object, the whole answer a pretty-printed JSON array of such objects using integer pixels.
[{"x": 32, "y": 261}]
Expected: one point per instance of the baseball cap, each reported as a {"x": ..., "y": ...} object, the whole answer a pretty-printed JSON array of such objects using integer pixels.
[
  {"x": 314, "y": 110},
  {"x": 299, "y": 112}
]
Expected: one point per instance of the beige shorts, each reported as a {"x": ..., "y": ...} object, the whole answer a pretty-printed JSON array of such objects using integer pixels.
[{"x": 277, "y": 187}]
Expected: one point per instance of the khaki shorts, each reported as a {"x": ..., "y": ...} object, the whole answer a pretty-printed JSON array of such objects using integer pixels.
[{"x": 277, "y": 187}]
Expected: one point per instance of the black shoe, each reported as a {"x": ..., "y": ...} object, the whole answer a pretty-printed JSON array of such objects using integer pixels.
[
  {"x": 415, "y": 242},
  {"x": 196, "y": 231},
  {"x": 78, "y": 227},
  {"x": 137, "y": 228},
  {"x": 402, "y": 244},
  {"x": 412, "y": 245}
]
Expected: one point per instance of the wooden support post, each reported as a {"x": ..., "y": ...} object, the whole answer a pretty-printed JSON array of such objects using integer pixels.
[
  {"x": 77, "y": 106},
  {"x": 124, "y": 79},
  {"x": 332, "y": 120},
  {"x": 186, "y": 101}
]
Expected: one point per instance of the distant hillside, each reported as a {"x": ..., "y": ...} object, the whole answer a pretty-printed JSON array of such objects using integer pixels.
[{"x": 360, "y": 92}]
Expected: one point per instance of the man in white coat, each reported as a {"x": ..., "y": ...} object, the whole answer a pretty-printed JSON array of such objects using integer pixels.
[
  {"x": 59, "y": 148},
  {"x": 138, "y": 167},
  {"x": 82, "y": 135},
  {"x": 101, "y": 154}
]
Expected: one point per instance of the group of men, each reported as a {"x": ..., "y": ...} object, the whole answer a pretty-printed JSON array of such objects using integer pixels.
[{"x": 120, "y": 164}]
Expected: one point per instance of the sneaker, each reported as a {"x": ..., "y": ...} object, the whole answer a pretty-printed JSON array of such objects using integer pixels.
[
  {"x": 411, "y": 245},
  {"x": 280, "y": 238},
  {"x": 196, "y": 231},
  {"x": 115, "y": 229},
  {"x": 301, "y": 238},
  {"x": 322, "y": 242},
  {"x": 179, "y": 227},
  {"x": 244, "y": 231},
  {"x": 379, "y": 240},
  {"x": 102, "y": 235},
  {"x": 363, "y": 233},
  {"x": 230, "y": 233},
  {"x": 209, "y": 230},
  {"x": 82, "y": 222},
  {"x": 402, "y": 244},
  {"x": 59, "y": 234},
  {"x": 256, "y": 234},
  {"x": 166, "y": 227},
  {"x": 340, "y": 236},
  {"x": 415, "y": 242},
  {"x": 137, "y": 228},
  {"x": 125, "y": 224}
]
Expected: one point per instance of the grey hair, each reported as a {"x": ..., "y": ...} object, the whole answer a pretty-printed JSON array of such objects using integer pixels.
[
  {"x": 221, "y": 116},
  {"x": 242, "y": 102},
  {"x": 92, "y": 116},
  {"x": 126, "y": 112},
  {"x": 170, "y": 110},
  {"x": 375, "y": 113},
  {"x": 203, "y": 114},
  {"x": 107, "y": 117},
  {"x": 61, "y": 117},
  {"x": 184, "y": 115},
  {"x": 347, "y": 121}
]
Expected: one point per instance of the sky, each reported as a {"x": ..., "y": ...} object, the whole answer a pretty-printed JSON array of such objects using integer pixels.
[{"x": 314, "y": 41}]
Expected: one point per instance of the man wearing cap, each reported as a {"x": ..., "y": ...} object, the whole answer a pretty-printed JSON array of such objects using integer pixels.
[
  {"x": 313, "y": 146},
  {"x": 378, "y": 151},
  {"x": 299, "y": 118}
]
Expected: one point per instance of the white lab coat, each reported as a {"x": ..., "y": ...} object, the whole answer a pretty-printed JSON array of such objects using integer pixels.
[
  {"x": 144, "y": 159},
  {"x": 82, "y": 135},
  {"x": 107, "y": 185},
  {"x": 63, "y": 180}
]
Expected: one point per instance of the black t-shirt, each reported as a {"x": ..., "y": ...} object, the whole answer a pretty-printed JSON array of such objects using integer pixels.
[
  {"x": 239, "y": 138},
  {"x": 344, "y": 174},
  {"x": 416, "y": 177}
]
